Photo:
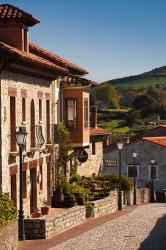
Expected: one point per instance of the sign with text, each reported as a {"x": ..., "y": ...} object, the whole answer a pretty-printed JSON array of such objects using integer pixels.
[{"x": 110, "y": 163}]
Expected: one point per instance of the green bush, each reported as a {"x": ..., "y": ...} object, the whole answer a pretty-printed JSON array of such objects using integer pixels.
[
  {"x": 75, "y": 178},
  {"x": 114, "y": 180},
  {"x": 8, "y": 211}
]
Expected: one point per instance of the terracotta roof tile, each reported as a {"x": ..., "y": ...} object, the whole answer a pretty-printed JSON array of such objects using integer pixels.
[
  {"x": 157, "y": 140},
  {"x": 35, "y": 49},
  {"x": 10, "y": 12},
  {"x": 99, "y": 131},
  {"x": 29, "y": 57}
]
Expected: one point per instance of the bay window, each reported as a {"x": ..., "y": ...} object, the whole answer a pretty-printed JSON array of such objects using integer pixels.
[
  {"x": 86, "y": 113},
  {"x": 71, "y": 113}
]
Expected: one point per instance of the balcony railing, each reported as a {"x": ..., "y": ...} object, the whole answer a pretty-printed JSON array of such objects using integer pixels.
[
  {"x": 53, "y": 136},
  {"x": 37, "y": 138}
]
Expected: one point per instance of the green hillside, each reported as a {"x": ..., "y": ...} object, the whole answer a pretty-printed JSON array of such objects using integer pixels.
[{"x": 147, "y": 79}]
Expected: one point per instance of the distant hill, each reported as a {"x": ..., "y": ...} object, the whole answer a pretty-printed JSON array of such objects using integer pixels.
[{"x": 150, "y": 78}]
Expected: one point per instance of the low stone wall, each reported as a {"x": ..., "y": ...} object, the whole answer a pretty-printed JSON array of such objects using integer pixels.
[
  {"x": 106, "y": 206},
  {"x": 9, "y": 236},
  {"x": 142, "y": 195},
  {"x": 49, "y": 225}
]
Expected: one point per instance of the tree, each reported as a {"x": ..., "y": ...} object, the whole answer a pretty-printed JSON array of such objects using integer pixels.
[
  {"x": 132, "y": 118},
  {"x": 127, "y": 96},
  {"x": 64, "y": 147},
  {"x": 108, "y": 94},
  {"x": 142, "y": 101}
]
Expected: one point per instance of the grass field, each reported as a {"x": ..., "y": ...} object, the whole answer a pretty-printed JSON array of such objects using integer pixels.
[
  {"x": 138, "y": 83},
  {"x": 116, "y": 126}
]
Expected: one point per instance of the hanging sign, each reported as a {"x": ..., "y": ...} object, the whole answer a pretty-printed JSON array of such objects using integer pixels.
[{"x": 82, "y": 156}]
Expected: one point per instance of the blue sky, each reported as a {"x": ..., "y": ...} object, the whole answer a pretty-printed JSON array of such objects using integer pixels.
[{"x": 110, "y": 38}]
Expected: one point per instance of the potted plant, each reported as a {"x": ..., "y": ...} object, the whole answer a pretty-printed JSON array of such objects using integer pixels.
[
  {"x": 89, "y": 210},
  {"x": 36, "y": 213},
  {"x": 45, "y": 209}
]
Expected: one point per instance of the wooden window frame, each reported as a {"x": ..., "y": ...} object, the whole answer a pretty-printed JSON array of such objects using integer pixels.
[
  {"x": 12, "y": 123},
  {"x": 48, "y": 121},
  {"x": 137, "y": 170},
  {"x": 24, "y": 184},
  {"x": 93, "y": 148},
  {"x": 74, "y": 124},
  {"x": 14, "y": 189},
  {"x": 23, "y": 110},
  {"x": 150, "y": 171},
  {"x": 86, "y": 113}
]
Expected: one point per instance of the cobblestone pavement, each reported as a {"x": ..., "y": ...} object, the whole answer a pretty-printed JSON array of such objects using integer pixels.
[{"x": 144, "y": 229}]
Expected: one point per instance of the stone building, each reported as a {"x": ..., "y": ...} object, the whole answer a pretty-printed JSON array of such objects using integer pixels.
[
  {"x": 150, "y": 161},
  {"x": 38, "y": 89},
  {"x": 30, "y": 97},
  {"x": 98, "y": 139}
]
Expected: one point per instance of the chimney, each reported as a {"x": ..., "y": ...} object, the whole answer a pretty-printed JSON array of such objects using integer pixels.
[
  {"x": 14, "y": 24},
  {"x": 93, "y": 117}
]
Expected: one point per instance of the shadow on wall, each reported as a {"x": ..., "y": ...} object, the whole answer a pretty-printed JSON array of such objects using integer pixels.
[{"x": 157, "y": 237}]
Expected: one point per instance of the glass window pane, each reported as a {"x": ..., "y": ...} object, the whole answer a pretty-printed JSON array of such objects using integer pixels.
[
  {"x": 86, "y": 113},
  {"x": 71, "y": 117}
]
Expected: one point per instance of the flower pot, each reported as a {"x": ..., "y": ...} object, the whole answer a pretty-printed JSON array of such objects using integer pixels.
[
  {"x": 89, "y": 212},
  {"x": 45, "y": 210},
  {"x": 35, "y": 214}
]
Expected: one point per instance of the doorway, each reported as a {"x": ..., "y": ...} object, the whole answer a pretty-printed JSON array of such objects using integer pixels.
[
  {"x": 48, "y": 183},
  {"x": 33, "y": 192}
]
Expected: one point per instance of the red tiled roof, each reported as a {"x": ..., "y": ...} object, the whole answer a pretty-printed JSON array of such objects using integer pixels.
[
  {"x": 35, "y": 49},
  {"x": 157, "y": 140},
  {"x": 99, "y": 131},
  {"x": 10, "y": 12},
  {"x": 29, "y": 57}
]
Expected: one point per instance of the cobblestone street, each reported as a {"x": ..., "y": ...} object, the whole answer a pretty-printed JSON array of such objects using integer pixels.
[{"x": 144, "y": 228}]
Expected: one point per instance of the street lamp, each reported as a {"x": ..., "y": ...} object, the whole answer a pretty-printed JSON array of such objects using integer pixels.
[
  {"x": 21, "y": 135},
  {"x": 152, "y": 177},
  {"x": 120, "y": 147},
  {"x": 134, "y": 154}
]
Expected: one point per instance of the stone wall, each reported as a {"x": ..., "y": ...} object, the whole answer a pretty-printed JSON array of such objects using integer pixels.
[
  {"x": 94, "y": 163},
  {"x": 106, "y": 206},
  {"x": 9, "y": 236},
  {"x": 142, "y": 196},
  {"x": 46, "y": 226},
  {"x": 34, "y": 89}
]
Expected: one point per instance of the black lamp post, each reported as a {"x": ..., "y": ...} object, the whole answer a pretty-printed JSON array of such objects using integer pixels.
[
  {"x": 21, "y": 135},
  {"x": 152, "y": 177},
  {"x": 134, "y": 154},
  {"x": 120, "y": 147}
]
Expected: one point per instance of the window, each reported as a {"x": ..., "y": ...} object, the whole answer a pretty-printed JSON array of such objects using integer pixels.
[
  {"x": 24, "y": 184},
  {"x": 93, "y": 148},
  {"x": 33, "y": 141},
  {"x": 14, "y": 189},
  {"x": 86, "y": 113},
  {"x": 40, "y": 110},
  {"x": 71, "y": 113},
  {"x": 131, "y": 171},
  {"x": 153, "y": 172},
  {"x": 48, "y": 120},
  {"x": 41, "y": 176},
  {"x": 12, "y": 123},
  {"x": 23, "y": 110}
]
